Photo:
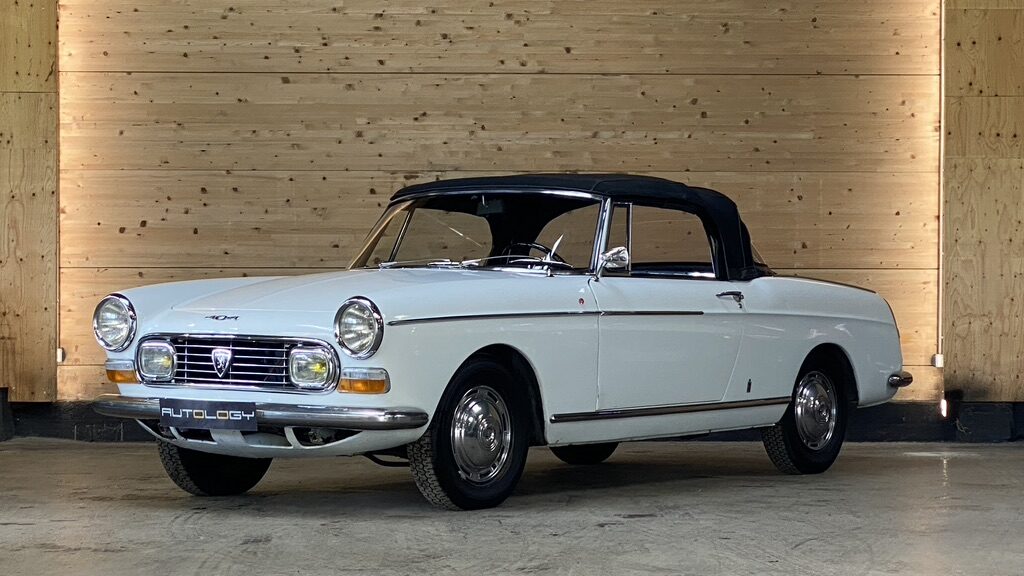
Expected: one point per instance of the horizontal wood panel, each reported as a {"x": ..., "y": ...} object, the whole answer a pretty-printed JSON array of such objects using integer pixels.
[
  {"x": 499, "y": 122},
  {"x": 28, "y": 46},
  {"x": 312, "y": 219},
  {"x": 82, "y": 382},
  {"x": 985, "y": 53},
  {"x": 984, "y": 283},
  {"x": 593, "y": 36},
  {"x": 912, "y": 294},
  {"x": 28, "y": 245},
  {"x": 985, "y": 127}
]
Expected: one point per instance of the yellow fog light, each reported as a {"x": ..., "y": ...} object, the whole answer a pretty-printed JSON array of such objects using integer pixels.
[
  {"x": 310, "y": 368},
  {"x": 156, "y": 360},
  {"x": 364, "y": 381},
  {"x": 121, "y": 371}
]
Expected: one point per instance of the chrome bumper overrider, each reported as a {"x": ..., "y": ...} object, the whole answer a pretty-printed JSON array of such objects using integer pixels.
[
  {"x": 281, "y": 414},
  {"x": 901, "y": 379}
]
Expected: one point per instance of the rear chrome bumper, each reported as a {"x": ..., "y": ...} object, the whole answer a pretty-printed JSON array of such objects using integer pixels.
[
  {"x": 310, "y": 416},
  {"x": 901, "y": 379}
]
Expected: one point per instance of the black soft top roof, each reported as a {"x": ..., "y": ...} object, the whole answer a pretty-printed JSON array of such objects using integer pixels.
[{"x": 718, "y": 212}]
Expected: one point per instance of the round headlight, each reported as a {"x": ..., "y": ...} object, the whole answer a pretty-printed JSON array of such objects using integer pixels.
[
  {"x": 359, "y": 327},
  {"x": 114, "y": 323}
]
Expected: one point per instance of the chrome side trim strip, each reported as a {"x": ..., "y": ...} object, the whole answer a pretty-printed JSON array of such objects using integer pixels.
[
  {"x": 665, "y": 410},
  {"x": 652, "y": 313},
  {"x": 544, "y": 315},
  {"x": 281, "y": 414},
  {"x": 489, "y": 317}
]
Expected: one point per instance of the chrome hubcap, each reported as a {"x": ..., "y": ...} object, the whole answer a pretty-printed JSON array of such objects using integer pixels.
[
  {"x": 815, "y": 410},
  {"x": 481, "y": 435}
]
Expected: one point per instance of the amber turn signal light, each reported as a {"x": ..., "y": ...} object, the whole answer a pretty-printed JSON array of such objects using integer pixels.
[
  {"x": 122, "y": 376},
  {"x": 364, "y": 381}
]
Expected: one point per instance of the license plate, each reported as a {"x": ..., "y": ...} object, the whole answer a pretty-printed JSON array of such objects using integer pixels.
[{"x": 208, "y": 415}]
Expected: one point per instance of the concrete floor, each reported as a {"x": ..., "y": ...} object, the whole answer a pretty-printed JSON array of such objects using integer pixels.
[{"x": 665, "y": 508}]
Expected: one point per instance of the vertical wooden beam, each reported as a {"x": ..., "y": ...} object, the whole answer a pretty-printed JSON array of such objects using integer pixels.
[{"x": 28, "y": 199}]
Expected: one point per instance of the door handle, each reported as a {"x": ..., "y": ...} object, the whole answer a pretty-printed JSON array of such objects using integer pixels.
[{"x": 734, "y": 294}]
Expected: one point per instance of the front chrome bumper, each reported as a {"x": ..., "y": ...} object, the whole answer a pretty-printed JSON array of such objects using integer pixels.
[
  {"x": 310, "y": 416},
  {"x": 901, "y": 379}
]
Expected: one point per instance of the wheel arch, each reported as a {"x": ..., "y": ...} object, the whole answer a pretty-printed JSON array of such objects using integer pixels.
[
  {"x": 837, "y": 356},
  {"x": 522, "y": 369}
]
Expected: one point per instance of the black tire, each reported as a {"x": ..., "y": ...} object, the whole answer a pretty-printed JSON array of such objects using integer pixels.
[
  {"x": 585, "y": 454},
  {"x": 205, "y": 474},
  {"x": 787, "y": 444},
  {"x": 442, "y": 472}
]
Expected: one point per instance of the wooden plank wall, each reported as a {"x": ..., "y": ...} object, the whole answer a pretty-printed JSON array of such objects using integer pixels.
[
  {"x": 983, "y": 325},
  {"x": 28, "y": 199},
  {"x": 204, "y": 137}
]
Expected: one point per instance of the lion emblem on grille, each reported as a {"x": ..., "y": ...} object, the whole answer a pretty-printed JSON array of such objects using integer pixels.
[{"x": 221, "y": 361}]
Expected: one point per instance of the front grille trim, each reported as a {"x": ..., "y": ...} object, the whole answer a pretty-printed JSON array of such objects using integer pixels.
[{"x": 194, "y": 367}]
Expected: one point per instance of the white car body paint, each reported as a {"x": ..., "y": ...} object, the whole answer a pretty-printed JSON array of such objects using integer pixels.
[{"x": 583, "y": 361}]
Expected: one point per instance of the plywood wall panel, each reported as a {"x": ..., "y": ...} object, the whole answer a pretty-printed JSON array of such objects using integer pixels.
[
  {"x": 604, "y": 36},
  {"x": 28, "y": 46},
  {"x": 498, "y": 122},
  {"x": 983, "y": 321},
  {"x": 985, "y": 127},
  {"x": 985, "y": 53},
  {"x": 984, "y": 327},
  {"x": 309, "y": 218},
  {"x": 28, "y": 245}
]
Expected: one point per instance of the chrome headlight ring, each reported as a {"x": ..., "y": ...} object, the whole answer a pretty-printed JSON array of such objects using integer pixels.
[
  {"x": 359, "y": 327},
  {"x": 122, "y": 307}
]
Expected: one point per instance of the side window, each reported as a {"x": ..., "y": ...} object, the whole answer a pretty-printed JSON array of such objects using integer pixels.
[{"x": 669, "y": 242}]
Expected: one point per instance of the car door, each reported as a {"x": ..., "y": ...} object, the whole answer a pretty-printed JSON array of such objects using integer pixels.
[{"x": 669, "y": 330}]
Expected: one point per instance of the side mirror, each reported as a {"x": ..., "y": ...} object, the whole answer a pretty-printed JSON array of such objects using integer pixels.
[{"x": 615, "y": 259}]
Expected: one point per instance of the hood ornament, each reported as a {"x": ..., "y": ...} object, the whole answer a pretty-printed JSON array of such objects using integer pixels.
[{"x": 221, "y": 360}]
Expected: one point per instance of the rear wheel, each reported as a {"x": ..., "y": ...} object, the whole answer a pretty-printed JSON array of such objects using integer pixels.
[
  {"x": 808, "y": 438},
  {"x": 585, "y": 454},
  {"x": 474, "y": 451},
  {"x": 205, "y": 474}
]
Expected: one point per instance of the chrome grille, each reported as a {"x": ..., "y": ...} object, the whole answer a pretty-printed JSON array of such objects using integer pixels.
[{"x": 257, "y": 362}]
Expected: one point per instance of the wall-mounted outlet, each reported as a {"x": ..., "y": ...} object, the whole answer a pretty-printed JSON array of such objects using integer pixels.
[
  {"x": 61, "y": 356},
  {"x": 938, "y": 360}
]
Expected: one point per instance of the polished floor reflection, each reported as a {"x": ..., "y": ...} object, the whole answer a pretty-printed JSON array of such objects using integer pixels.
[{"x": 659, "y": 507}]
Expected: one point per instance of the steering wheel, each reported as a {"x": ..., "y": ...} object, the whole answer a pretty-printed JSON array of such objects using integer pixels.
[{"x": 548, "y": 253}]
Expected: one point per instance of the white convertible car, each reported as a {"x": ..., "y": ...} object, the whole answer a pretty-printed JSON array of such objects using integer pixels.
[{"x": 487, "y": 315}]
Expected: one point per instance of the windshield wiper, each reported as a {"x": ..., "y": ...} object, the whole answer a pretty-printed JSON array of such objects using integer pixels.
[
  {"x": 516, "y": 259},
  {"x": 420, "y": 262}
]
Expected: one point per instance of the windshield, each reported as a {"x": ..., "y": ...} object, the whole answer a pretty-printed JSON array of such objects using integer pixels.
[{"x": 486, "y": 230}]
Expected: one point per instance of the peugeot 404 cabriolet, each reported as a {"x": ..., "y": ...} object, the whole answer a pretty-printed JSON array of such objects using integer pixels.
[{"x": 487, "y": 315}]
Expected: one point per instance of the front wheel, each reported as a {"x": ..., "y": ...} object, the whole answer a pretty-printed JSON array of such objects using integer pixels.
[
  {"x": 808, "y": 438},
  {"x": 205, "y": 474},
  {"x": 474, "y": 451}
]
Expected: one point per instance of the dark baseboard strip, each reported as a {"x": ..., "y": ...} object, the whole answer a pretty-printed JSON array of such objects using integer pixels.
[
  {"x": 893, "y": 422},
  {"x": 75, "y": 421}
]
